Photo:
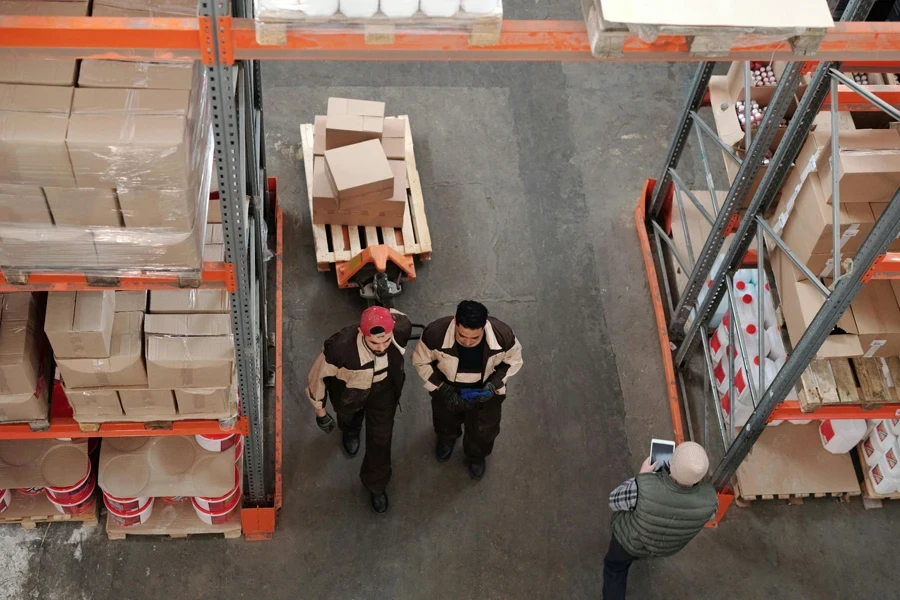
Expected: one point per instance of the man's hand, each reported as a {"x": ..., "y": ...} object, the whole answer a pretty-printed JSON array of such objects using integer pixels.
[
  {"x": 648, "y": 467},
  {"x": 490, "y": 390},
  {"x": 449, "y": 395},
  {"x": 325, "y": 421}
]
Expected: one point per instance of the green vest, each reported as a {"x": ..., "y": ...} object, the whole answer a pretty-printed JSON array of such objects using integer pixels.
[{"x": 666, "y": 518}]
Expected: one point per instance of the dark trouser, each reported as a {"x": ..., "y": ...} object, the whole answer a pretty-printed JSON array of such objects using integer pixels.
[
  {"x": 482, "y": 423},
  {"x": 378, "y": 415},
  {"x": 615, "y": 570}
]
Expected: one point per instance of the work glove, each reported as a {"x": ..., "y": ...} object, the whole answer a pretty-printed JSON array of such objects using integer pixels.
[
  {"x": 326, "y": 423},
  {"x": 449, "y": 395},
  {"x": 474, "y": 395},
  {"x": 488, "y": 392}
]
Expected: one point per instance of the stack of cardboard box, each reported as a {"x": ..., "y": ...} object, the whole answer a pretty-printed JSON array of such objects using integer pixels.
[
  {"x": 120, "y": 360},
  {"x": 24, "y": 368},
  {"x": 869, "y": 175},
  {"x": 111, "y": 175},
  {"x": 359, "y": 170}
]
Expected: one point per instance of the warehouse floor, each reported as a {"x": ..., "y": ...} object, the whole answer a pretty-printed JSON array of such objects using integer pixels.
[{"x": 530, "y": 175}]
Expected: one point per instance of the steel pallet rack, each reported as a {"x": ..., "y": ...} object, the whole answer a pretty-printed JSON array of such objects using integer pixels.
[{"x": 224, "y": 38}]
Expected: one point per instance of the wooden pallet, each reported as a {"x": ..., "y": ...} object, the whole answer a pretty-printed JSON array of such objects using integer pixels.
[
  {"x": 871, "y": 499},
  {"x": 607, "y": 38},
  {"x": 858, "y": 381},
  {"x": 33, "y": 424},
  {"x": 340, "y": 243},
  {"x": 483, "y": 30},
  {"x": 789, "y": 463},
  {"x": 93, "y": 426},
  {"x": 174, "y": 521},
  {"x": 29, "y": 510}
]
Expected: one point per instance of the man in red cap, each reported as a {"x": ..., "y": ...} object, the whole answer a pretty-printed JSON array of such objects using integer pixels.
[{"x": 361, "y": 370}]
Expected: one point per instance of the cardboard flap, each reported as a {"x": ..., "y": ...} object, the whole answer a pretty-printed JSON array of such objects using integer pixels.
[
  {"x": 188, "y": 325},
  {"x": 41, "y": 463}
]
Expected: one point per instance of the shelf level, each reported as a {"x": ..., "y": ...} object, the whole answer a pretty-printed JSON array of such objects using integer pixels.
[
  {"x": 789, "y": 410},
  {"x": 66, "y": 427},
  {"x": 214, "y": 275},
  {"x": 520, "y": 40}
]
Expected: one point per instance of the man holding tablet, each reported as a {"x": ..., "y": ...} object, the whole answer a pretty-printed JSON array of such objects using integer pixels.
[{"x": 658, "y": 512}]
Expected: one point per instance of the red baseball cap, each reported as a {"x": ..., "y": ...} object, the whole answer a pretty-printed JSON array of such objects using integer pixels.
[{"x": 376, "y": 316}]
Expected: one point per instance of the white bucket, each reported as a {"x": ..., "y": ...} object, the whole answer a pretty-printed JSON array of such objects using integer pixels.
[
  {"x": 218, "y": 516},
  {"x": 124, "y": 505},
  {"x": 871, "y": 454},
  {"x": 129, "y": 518},
  {"x": 881, "y": 482},
  {"x": 881, "y": 437},
  {"x": 220, "y": 503},
  {"x": 218, "y": 442},
  {"x": 894, "y": 426},
  {"x": 840, "y": 436},
  {"x": 398, "y": 9},
  {"x": 440, "y": 8},
  {"x": 890, "y": 462}
]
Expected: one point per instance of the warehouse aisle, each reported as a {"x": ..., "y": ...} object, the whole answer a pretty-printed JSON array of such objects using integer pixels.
[{"x": 530, "y": 174}]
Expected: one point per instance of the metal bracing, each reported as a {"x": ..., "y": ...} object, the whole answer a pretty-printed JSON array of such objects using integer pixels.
[{"x": 231, "y": 169}]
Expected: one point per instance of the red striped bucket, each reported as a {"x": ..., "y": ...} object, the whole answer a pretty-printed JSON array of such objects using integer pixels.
[
  {"x": 129, "y": 518},
  {"x": 221, "y": 502},
  {"x": 217, "y": 442},
  {"x": 79, "y": 505},
  {"x": 73, "y": 493}
]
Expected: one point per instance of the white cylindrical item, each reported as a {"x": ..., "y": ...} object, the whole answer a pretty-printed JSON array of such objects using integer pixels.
[
  {"x": 870, "y": 453},
  {"x": 480, "y": 7},
  {"x": 359, "y": 9},
  {"x": 880, "y": 481},
  {"x": 319, "y": 8},
  {"x": 720, "y": 371},
  {"x": 439, "y": 8},
  {"x": 881, "y": 437},
  {"x": 398, "y": 9},
  {"x": 718, "y": 341},
  {"x": 743, "y": 408},
  {"x": 748, "y": 275},
  {"x": 775, "y": 344},
  {"x": 890, "y": 462},
  {"x": 894, "y": 425},
  {"x": 842, "y": 435},
  {"x": 745, "y": 304}
]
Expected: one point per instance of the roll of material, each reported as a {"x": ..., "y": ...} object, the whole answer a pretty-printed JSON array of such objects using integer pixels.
[
  {"x": 398, "y": 9},
  {"x": 359, "y": 9},
  {"x": 440, "y": 8}
]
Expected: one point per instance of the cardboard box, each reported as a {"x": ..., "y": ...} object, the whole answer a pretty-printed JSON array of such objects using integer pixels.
[
  {"x": 877, "y": 209},
  {"x": 800, "y": 301},
  {"x": 131, "y": 301},
  {"x": 84, "y": 207},
  {"x": 33, "y": 123},
  {"x": 42, "y": 463},
  {"x": 869, "y": 166},
  {"x": 130, "y": 138},
  {"x": 804, "y": 219},
  {"x": 170, "y": 250},
  {"x": 214, "y": 253},
  {"x": 215, "y": 234},
  {"x": 822, "y": 121},
  {"x": 135, "y": 74},
  {"x": 319, "y": 136},
  {"x": 394, "y": 139},
  {"x": 199, "y": 401},
  {"x": 144, "y": 8},
  {"x": 148, "y": 403},
  {"x": 20, "y": 357},
  {"x": 24, "y": 204},
  {"x": 382, "y": 213},
  {"x": 80, "y": 324},
  {"x": 47, "y": 247},
  {"x": 26, "y": 407},
  {"x": 359, "y": 173},
  {"x": 94, "y": 403},
  {"x": 877, "y": 317},
  {"x": 172, "y": 209},
  {"x": 189, "y": 301},
  {"x": 37, "y": 71},
  {"x": 725, "y": 91},
  {"x": 189, "y": 351},
  {"x": 171, "y": 465},
  {"x": 352, "y": 121},
  {"x": 214, "y": 214},
  {"x": 125, "y": 365}
]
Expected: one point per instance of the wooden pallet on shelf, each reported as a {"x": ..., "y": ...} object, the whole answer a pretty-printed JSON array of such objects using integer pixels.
[
  {"x": 788, "y": 462},
  {"x": 340, "y": 243},
  {"x": 94, "y": 423},
  {"x": 854, "y": 381},
  {"x": 176, "y": 520},
  {"x": 30, "y": 509}
]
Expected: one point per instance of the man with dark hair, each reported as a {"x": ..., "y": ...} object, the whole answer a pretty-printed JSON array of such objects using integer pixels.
[
  {"x": 361, "y": 370},
  {"x": 466, "y": 362}
]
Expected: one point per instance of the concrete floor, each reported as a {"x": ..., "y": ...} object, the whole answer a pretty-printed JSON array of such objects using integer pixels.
[{"x": 530, "y": 174}]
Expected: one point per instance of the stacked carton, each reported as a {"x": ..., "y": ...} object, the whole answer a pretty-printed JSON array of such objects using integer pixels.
[
  {"x": 24, "y": 371},
  {"x": 869, "y": 174},
  {"x": 359, "y": 170},
  {"x": 119, "y": 363}
]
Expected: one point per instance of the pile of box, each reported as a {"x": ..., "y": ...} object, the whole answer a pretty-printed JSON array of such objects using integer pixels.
[
  {"x": 122, "y": 361},
  {"x": 359, "y": 170},
  {"x": 869, "y": 175},
  {"x": 111, "y": 174},
  {"x": 24, "y": 365}
]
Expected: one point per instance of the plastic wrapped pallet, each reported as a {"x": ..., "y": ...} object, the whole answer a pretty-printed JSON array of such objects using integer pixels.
[
  {"x": 144, "y": 8},
  {"x": 141, "y": 160},
  {"x": 380, "y": 18}
]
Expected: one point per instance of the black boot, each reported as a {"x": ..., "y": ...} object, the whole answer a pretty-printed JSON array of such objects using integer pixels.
[
  {"x": 476, "y": 469},
  {"x": 350, "y": 442},
  {"x": 443, "y": 451},
  {"x": 380, "y": 502}
]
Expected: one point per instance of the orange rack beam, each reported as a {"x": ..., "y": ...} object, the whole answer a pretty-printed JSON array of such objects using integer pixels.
[
  {"x": 214, "y": 275},
  {"x": 66, "y": 427},
  {"x": 789, "y": 410},
  {"x": 538, "y": 40}
]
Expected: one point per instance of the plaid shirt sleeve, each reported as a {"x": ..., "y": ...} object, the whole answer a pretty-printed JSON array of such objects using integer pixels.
[{"x": 624, "y": 497}]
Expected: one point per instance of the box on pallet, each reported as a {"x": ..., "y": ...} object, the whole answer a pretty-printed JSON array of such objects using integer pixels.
[
  {"x": 80, "y": 324},
  {"x": 136, "y": 74},
  {"x": 352, "y": 121},
  {"x": 189, "y": 351},
  {"x": 189, "y": 301},
  {"x": 24, "y": 204},
  {"x": 123, "y": 367}
]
